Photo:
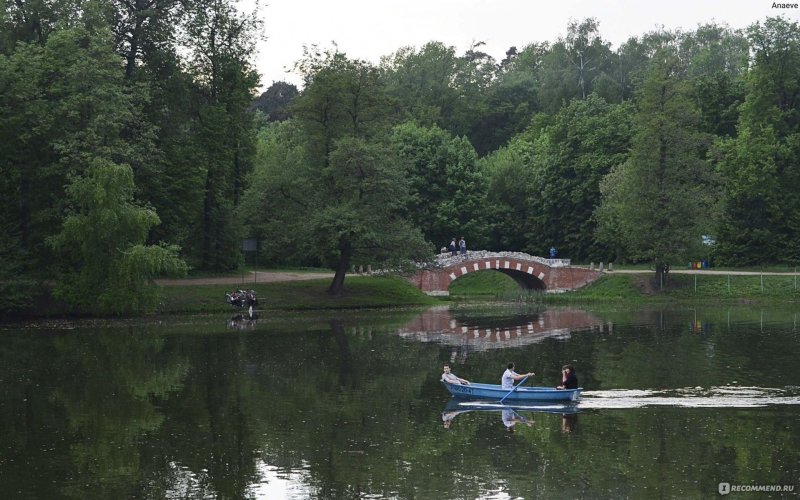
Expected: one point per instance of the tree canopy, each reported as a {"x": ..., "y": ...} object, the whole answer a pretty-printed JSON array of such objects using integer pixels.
[{"x": 631, "y": 152}]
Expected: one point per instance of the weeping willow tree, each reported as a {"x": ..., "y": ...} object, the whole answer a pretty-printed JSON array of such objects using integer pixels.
[{"x": 107, "y": 266}]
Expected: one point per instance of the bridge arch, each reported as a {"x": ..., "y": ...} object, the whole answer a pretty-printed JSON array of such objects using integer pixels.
[{"x": 528, "y": 271}]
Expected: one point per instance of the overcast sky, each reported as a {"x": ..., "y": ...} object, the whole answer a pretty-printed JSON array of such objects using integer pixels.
[{"x": 368, "y": 29}]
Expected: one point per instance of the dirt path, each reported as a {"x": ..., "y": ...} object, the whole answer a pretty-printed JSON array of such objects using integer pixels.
[
  {"x": 275, "y": 276},
  {"x": 249, "y": 279}
]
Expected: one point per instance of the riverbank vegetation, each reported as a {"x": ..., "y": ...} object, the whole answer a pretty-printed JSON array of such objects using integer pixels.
[
  {"x": 742, "y": 289},
  {"x": 670, "y": 137},
  {"x": 361, "y": 293}
]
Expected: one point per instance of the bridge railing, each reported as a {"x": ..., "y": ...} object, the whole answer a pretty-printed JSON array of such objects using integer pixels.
[{"x": 445, "y": 259}]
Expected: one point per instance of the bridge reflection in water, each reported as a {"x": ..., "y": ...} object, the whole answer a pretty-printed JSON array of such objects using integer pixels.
[{"x": 439, "y": 325}]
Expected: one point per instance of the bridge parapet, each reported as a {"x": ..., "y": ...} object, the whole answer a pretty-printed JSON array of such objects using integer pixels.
[{"x": 447, "y": 260}]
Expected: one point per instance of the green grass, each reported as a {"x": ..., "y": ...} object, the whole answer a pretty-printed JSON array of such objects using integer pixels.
[
  {"x": 360, "y": 292},
  {"x": 641, "y": 288},
  {"x": 482, "y": 284},
  {"x": 700, "y": 286}
]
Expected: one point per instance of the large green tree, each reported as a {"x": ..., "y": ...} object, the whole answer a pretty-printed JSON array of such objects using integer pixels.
[
  {"x": 62, "y": 105},
  {"x": 761, "y": 165},
  {"x": 447, "y": 188},
  {"x": 658, "y": 203},
  {"x": 577, "y": 148},
  {"x": 222, "y": 42},
  {"x": 335, "y": 190}
]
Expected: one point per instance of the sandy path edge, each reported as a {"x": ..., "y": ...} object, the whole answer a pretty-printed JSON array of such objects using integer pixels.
[{"x": 247, "y": 279}]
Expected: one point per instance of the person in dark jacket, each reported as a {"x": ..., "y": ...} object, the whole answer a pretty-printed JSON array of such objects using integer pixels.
[{"x": 568, "y": 378}]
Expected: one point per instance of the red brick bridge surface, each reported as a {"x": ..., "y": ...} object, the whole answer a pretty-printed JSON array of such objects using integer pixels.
[{"x": 530, "y": 272}]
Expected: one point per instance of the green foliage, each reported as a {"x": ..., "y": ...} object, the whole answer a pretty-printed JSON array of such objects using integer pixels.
[
  {"x": 544, "y": 187},
  {"x": 447, "y": 188},
  {"x": 350, "y": 210},
  {"x": 761, "y": 214},
  {"x": 482, "y": 284},
  {"x": 508, "y": 154},
  {"x": 659, "y": 202},
  {"x": 63, "y": 105},
  {"x": 110, "y": 269}
]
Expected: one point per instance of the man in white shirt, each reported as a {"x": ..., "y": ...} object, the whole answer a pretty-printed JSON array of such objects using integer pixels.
[
  {"x": 451, "y": 378},
  {"x": 510, "y": 376}
]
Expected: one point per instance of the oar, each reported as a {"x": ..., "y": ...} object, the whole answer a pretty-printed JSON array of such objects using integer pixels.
[{"x": 514, "y": 389}]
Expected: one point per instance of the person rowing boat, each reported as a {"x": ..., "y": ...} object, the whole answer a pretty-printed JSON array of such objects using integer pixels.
[{"x": 510, "y": 376}]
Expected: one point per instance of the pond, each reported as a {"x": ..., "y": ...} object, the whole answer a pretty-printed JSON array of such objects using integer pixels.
[{"x": 676, "y": 401}]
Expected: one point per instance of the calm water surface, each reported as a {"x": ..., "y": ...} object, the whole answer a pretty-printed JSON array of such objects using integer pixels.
[{"x": 350, "y": 406}]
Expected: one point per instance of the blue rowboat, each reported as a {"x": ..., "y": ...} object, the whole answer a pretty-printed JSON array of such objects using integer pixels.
[{"x": 496, "y": 393}]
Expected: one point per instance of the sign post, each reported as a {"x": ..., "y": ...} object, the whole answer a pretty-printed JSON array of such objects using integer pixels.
[{"x": 250, "y": 245}]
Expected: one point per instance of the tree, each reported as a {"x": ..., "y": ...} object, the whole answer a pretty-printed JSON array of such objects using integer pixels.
[
  {"x": 334, "y": 188},
  {"x": 577, "y": 148},
  {"x": 63, "y": 105},
  {"x": 222, "y": 41},
  {"x": 760, "y": 215},
  {"x": 351, "y": 209},
  {"x": 447, "y": 189},
  {"x": 275, "y": 101},
  {"x": 658, "y": 203},
  {"x": 422, "y": 82},
  {"x": 573, "y": 64},
  {"x": 110, "y": 269}
]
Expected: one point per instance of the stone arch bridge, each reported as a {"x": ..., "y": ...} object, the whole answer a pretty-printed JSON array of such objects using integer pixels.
[{"x": 530, "y": 272}]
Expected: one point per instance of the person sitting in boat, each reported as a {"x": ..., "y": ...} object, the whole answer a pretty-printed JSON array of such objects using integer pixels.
[
  {"x": 510, "y": 376},
  {"x": 568, "y": 378},
  {"x": 451, "y": 378}
]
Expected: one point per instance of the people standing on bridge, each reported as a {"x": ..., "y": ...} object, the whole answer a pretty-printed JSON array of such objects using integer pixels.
[
  {"x": 553, "y": 252},
  {"x": 462, "y": 245},
  {"x": 453, "y": 248}
]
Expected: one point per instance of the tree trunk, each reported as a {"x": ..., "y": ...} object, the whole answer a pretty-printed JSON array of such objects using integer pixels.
[{"x": 345, "y": 252}]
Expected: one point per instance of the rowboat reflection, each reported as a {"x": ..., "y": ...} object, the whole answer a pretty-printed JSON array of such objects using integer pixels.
[{"x": 512, "y": 414}]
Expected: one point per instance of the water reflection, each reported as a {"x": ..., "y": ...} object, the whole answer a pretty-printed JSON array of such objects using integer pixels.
[
  {"x": 511, "y": 415},
  {"x": 244, "y": 321},
  {"x": 322, "y": 407},
  {"x": 474, "y": 334}
]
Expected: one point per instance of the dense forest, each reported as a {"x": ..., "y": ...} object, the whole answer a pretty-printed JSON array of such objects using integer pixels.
[{"x": 135, "y": 145}]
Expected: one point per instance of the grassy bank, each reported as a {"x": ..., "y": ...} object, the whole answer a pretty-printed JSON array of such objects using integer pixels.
[
  {"x": 386, "y": 292},
  {"x": 360, "y": 292},
  {"x": 634, "y": 288}
]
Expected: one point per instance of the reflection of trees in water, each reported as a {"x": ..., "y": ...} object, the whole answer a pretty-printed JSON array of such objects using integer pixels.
[
  {"x": 105, "y": 384},
  {"x": 355, "y": 410}
]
